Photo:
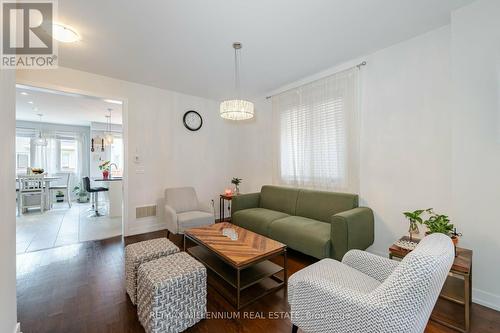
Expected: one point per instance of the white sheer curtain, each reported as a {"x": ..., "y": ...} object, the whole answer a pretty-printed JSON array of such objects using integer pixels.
[
  {"x": 316, "y": 134},
  {"x": 49, "y": 157},
  {"x": 46, "y": 157}
]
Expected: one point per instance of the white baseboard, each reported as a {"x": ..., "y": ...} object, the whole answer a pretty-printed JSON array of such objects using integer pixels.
[
  {"x": 144, "y": 226},
  {"x": 486, "y": 299}
]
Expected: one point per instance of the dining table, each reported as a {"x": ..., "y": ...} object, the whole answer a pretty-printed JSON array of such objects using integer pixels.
[{"x": 47, "y": 180}]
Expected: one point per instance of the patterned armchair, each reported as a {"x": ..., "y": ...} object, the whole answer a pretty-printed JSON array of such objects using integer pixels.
[{"x": 368, "y": 293}]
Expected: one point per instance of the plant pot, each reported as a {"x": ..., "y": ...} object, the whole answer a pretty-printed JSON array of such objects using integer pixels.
[
  {"x": 413, "y": 230},
  {"x": 105, "y": 174},
  {"x": 83, "y": 199},
  {"x": 59, "y": 198}
]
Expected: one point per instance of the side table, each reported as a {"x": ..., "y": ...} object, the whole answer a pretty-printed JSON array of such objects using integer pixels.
[
  {"x": 458, "y": 285},
  {"x": 223, "y": 198}
]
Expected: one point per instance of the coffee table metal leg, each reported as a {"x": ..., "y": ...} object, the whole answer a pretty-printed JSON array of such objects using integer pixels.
[
  {"x": 285, "y": 272},
  {"x": 238, "y": 290}
]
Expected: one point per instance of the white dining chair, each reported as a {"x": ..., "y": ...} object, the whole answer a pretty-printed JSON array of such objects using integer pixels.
[
  {"x": 29, "y": 187},
  {"x": 63, "y": 188}
]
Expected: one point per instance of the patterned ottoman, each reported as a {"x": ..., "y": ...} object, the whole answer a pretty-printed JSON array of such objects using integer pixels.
[
  {"x": 171, "y": 293},
  {"x": 139, "y": 253}
]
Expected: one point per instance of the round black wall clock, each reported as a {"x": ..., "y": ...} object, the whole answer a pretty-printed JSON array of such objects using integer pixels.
[{"x": 192, "y": 120}]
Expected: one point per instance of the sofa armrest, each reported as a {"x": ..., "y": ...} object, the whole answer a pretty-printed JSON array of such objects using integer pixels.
[
  {"x": 351, "y": 229},
  {"x": 370, "y": 264},
  {"x": 245, "y": 201}
]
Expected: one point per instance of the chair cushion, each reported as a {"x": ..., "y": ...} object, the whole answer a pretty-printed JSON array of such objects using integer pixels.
[
  {"x": 302, "y": 234},
  {"x": 256, "y": 219},
  {"x": 181, "y": 199},
  {"x": 321, "y": 205},
  {"x": 331, "y": 272},
  {"x": 193, "y": 219},
  {"x": 279, "y": 198}
]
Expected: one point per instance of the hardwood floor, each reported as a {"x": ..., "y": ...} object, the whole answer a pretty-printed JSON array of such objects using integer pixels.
[{"x": 80, "y": 288}]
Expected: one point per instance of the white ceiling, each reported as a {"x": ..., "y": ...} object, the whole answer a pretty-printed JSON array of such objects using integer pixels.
[
  {"x": 63, "y": 108},
  {"x": 185, "y": 45}
]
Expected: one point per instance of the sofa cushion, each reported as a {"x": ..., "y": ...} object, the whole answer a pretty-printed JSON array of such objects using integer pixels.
[
  {"x": 302, "y": 234},
  {"x": 334, "y": 273},
  {"x": 279, "y": 198},
  {"x": 256, "y": 219},
  {"x": 321, "y": 205}
]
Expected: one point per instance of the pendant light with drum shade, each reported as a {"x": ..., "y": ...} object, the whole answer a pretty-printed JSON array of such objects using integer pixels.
[
  {"x": 40, "y": 141},
  {"x": 237, "y": 109}
]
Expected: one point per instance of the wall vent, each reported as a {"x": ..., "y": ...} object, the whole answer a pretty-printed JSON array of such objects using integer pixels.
[{"x": 145, "y": 211}]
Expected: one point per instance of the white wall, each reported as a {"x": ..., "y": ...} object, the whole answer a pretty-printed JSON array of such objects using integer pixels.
[
  {"x": 169, "y": 154},
  {"x": 430, "y": 136},
  {"x": 406, "y": 132},
  {"x": 8, "y": 317},
  {"x": 476, "y": 142}
]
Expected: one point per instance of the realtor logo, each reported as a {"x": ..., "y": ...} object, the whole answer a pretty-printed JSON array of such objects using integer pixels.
[{"x": 27, "y": 41}]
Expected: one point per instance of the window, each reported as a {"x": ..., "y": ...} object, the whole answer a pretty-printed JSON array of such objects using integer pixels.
[
  {"x": 23, "y": 154},
  {"x": 317, "y": 134},
  {"x": 117, "y": 156},
  {"x": 68, "y": 155}
]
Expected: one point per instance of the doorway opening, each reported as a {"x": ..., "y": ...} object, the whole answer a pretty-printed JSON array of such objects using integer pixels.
[{"x": 69, "y": 168}]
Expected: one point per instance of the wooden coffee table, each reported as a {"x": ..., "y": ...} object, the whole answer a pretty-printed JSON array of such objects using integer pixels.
[{"x": 242, "y": 265}]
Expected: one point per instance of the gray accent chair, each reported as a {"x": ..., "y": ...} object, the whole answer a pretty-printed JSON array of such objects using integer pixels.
[
  {"x": 366, "y": 293},
  {"x": 184, "y": 211}
]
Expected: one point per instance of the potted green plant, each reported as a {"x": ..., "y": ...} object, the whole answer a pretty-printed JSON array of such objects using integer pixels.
[
  {"x": 104, "y": 167},
  {"x": 236, "y": 182},
  {"x": 439, "y": 223},
  {"x": 81, "y": 194},
  {"x": 59, "y": 196},
  {"x": 415, "y": 219}
]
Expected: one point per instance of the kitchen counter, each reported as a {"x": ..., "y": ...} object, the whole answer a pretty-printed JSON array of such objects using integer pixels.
[
  {"x": 110, "y": 179},
  {"x": 115, "y": 194}
]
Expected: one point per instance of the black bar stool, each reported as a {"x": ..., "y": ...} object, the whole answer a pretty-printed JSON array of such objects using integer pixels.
[{"x": 94, "y": 191}]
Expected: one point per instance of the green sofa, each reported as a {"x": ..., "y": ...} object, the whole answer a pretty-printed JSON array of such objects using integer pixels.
[{"x": 318, "y": 223}]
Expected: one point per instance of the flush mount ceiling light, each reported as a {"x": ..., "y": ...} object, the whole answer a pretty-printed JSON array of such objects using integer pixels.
[
  {"x": 64, "y": 33},
  {"x": 237, "y": 109}
]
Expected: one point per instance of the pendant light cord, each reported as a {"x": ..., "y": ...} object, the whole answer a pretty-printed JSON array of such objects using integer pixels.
[{"x": 237, "y": 72}]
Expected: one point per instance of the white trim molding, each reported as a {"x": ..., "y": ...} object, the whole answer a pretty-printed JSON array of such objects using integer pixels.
[
  {"x": 145, "y": 225},
  {"x": 485, "y": 298}
]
